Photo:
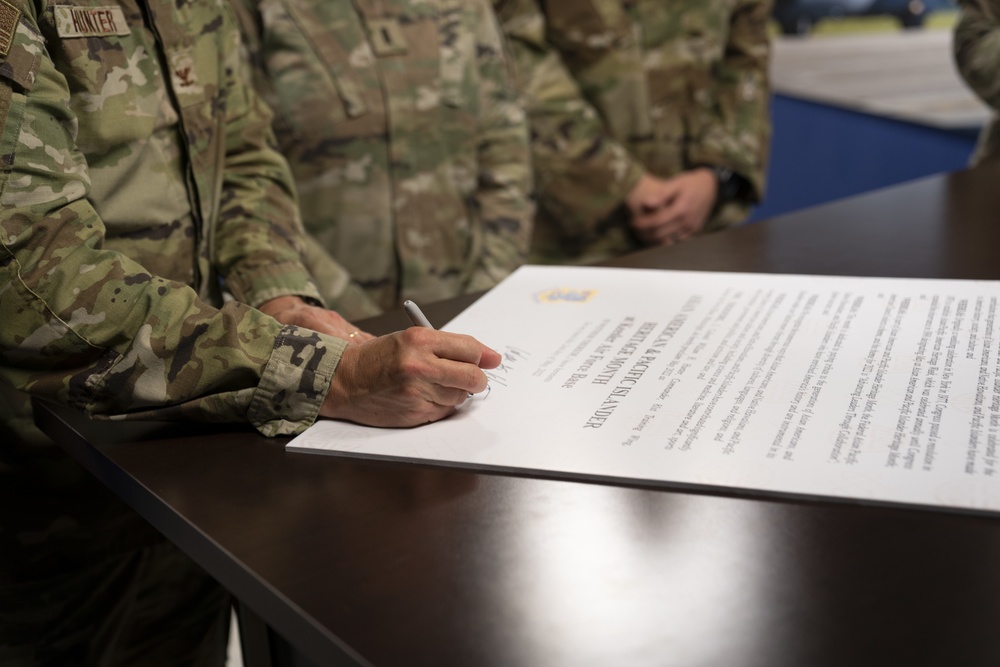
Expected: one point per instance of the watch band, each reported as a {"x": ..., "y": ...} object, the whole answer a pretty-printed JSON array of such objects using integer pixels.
[{"x": 728, "y": 181}]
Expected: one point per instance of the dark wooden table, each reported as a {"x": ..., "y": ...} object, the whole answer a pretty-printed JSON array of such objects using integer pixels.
[{"x": 393, "y": 564}]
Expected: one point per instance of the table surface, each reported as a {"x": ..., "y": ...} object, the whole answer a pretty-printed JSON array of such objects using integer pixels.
[{"x": 393, "y": 564}]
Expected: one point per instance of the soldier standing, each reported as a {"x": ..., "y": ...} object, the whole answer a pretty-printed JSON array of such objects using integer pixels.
[
  {"x": 138, "y": 180},
  {"x": 406, "y": 139},
  {"x": 977, "y": 54},
  {"x": 650, "y": 118}
]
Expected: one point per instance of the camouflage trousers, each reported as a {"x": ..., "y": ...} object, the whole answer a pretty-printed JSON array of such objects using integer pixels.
[
  {"x": 84, "y": 580},
  {"x": 150, "y": 607}
]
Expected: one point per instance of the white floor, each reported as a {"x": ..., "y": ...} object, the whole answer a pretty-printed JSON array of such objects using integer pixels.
[
  {"x": 235, "y": 658},
  {"x": 915, "y": 78}
]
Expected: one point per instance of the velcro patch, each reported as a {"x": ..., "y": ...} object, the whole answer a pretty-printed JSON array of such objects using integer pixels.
[
  {"x": 386, "y": 37},
  {"x": 9, "y": 16},
  {"x": 90, "y": 21}
]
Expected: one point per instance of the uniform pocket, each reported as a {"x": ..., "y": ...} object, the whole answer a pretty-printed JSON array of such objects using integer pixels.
[{"x": 312, "y": 53}]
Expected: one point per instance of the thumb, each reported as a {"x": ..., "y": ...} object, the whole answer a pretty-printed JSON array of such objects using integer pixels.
[{"x": 489, "y": 358}]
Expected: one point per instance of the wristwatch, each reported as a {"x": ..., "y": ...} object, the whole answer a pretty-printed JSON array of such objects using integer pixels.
[{"x": 729, "y": 183}]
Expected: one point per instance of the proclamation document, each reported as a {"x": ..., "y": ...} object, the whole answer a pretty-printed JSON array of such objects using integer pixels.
[{"x": 871, "y": 389}]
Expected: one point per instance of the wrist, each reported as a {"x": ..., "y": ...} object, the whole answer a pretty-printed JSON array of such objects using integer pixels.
[
  {"x": 728, "y": 183},
  {"x": 289, "y": 301},
  {"x": 281, "y": 303},
  {"x": 283, "y": 300}
]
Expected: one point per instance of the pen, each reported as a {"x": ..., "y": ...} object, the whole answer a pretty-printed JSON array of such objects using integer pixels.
[
  {"x": 416, "y": 315},
  {"x": 420, "y": 320}
]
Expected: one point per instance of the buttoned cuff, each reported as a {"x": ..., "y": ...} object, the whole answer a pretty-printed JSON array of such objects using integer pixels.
[
  {"x": 633, "y": 174},
  {"x": 295, "y": 381}
]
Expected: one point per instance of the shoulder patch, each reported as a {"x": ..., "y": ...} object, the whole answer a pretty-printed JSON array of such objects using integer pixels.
[{"x": 9, "y": 16}]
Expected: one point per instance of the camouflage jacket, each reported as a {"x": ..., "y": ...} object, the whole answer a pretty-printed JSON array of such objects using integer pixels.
[
  {"x": 977, "y": 54},
  {"x": 616, "y": 88},
  {"x": 406, "y": 138},
  {"x": 138, "y": 173}
]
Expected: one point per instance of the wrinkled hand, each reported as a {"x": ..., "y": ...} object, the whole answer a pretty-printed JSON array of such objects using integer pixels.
[
  {"x": 293, "y": 310},
  {"x": 669, "y": 211},
  {"x": 408, "y": 378}
]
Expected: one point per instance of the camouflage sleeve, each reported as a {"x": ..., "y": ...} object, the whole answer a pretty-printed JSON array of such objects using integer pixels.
[
  {"x": 331, "y": 278},
  {"x": 582, "y": 173},
  {"x": 596, "y": 41},
  {"x": 91, "y": 328},
  {"x": 976, "y": 46},
  {"x": 260, "y": 238},
  {"x": 977, "y": 49},
  {"x": 737, "y": 133},
  {"x": 334, "y": 281},
  {"x": 504, "y": 182}
]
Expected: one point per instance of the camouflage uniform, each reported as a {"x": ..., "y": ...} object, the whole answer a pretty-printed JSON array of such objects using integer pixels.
[
  {"x": 617, "y": 88},
  {"x": 977, "y": 54},
  {"x": 406, "y": 138},
  {"x": 138, "y": 176}
]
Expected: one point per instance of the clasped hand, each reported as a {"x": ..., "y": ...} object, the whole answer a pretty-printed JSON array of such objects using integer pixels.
[{"x": 668, "y": 211}]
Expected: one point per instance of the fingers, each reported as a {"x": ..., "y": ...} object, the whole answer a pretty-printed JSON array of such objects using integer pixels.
[
  {"x": 653, "y": 227},
  {"x": 490, "y": 358},
  {"x": 649, "y": 194},
  {"x": 457, "y": 347},
  {"x": 668, "y": 225},
  {"x": 453, "y": 375},
  {"x": 443, "y": 396},
  {"x": 669, "y": 234},
  {"x": 407, "y": 378},
  {"x": 454, "y": 360},
  {"x": 659, "y": 228},
  {"x": 686, "y": 203}
]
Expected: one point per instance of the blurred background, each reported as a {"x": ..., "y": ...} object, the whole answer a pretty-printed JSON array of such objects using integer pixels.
[{"x": 866, "y": 95}]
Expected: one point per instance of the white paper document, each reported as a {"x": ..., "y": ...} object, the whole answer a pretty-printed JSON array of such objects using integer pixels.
[{"x": 875, "y": 389}]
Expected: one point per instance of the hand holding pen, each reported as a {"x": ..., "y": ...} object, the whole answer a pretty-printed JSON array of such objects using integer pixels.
[
  {"x": 418, "y": 319},
  {"x": 408, "y": 378}
]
